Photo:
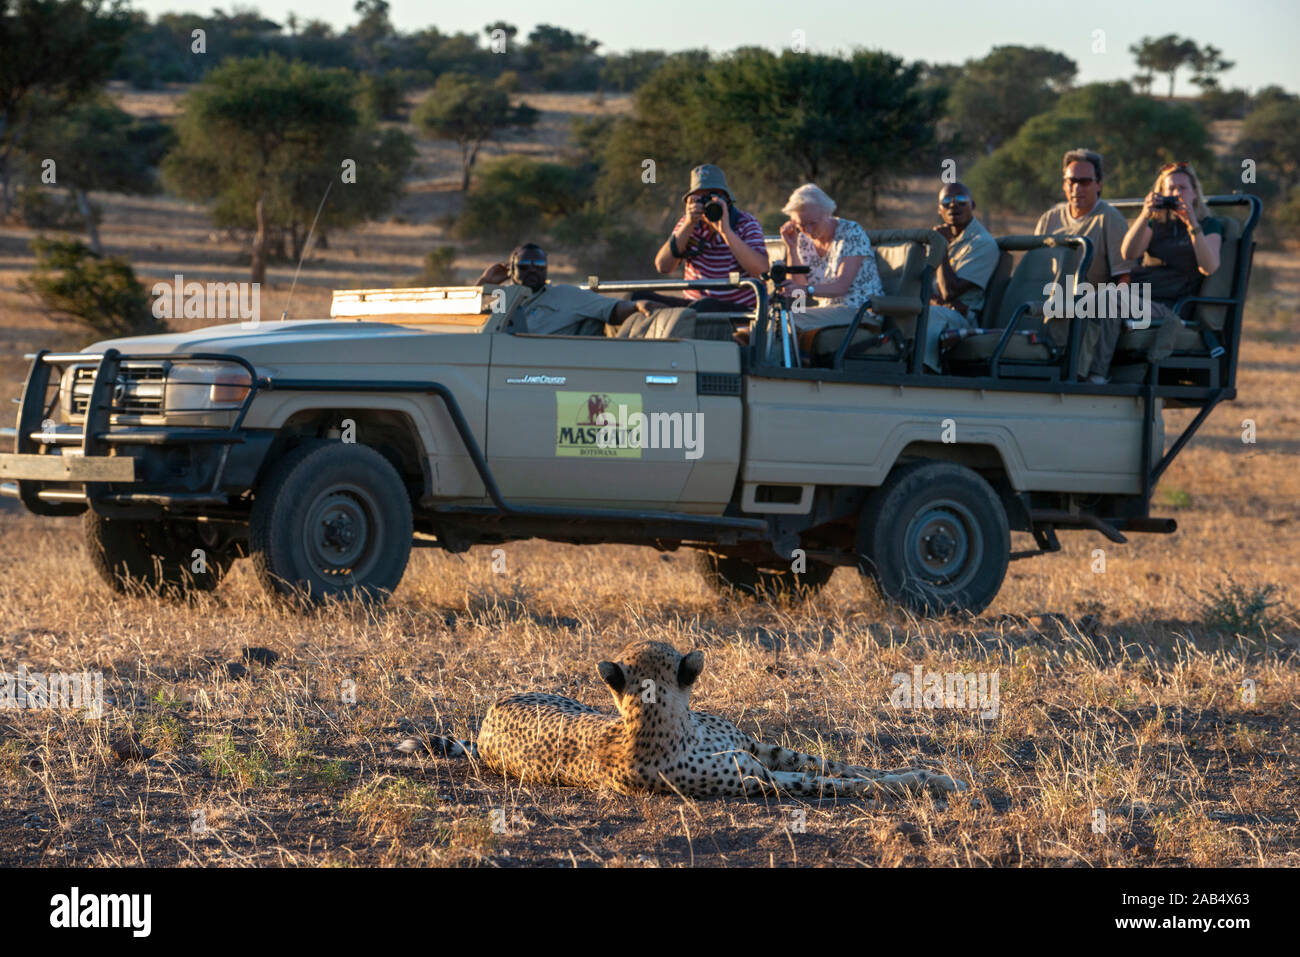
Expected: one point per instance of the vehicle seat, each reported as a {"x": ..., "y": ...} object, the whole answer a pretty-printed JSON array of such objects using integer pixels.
[
  {"x": 1036, "y": 341},
  {"x": 674, "y": 323},
  {"x": 901, "y": 263}
]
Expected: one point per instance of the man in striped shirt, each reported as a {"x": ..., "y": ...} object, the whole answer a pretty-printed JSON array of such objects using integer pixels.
[{"x": 712, "y": 249}]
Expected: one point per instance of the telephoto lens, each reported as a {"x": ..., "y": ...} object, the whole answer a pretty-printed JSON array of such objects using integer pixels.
[{"x": 712, "y": 209}]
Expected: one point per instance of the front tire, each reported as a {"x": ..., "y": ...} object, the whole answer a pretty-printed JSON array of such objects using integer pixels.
[
  {"x": 331, "y": 520},
  {"x": 732, "y": 577},
  {"x": 156, "y": 556},
  {"x": 934, "y": 539}
]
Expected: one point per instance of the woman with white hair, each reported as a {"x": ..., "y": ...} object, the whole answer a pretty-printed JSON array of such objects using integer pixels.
[{"x": 842, "y": 267}]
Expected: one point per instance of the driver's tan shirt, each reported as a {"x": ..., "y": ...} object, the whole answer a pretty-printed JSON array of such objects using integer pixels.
[{"x": 560, "y": 308}]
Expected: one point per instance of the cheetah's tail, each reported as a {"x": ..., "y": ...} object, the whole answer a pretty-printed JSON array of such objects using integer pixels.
[{"x": 444, "y": 747}]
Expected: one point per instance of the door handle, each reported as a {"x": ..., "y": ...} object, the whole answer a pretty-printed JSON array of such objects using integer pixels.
[{"x": 661, "y": 380}]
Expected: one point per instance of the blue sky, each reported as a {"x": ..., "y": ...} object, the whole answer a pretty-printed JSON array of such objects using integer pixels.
[{"x": 1260, "y": 35}]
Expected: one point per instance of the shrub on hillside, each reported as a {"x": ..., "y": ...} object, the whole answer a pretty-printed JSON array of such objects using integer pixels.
[
  {"x": 437, "y": 268},
  {"x": 517, "y": 199},
  {"x": 100, "y": 294}
]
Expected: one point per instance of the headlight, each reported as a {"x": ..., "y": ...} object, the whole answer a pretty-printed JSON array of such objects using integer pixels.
[{"x": 206, "y": 386}]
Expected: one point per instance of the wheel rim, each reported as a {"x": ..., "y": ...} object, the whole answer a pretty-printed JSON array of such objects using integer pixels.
[
  {"x": 342, "y": 536},
  {"x": 942, "y": 546}
]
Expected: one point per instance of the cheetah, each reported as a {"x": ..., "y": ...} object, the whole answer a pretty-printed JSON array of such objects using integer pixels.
[{"x": 656, "y": 743}]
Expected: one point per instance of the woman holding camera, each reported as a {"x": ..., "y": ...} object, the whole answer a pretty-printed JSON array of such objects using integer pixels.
[{"x": 1178, "y": 241}]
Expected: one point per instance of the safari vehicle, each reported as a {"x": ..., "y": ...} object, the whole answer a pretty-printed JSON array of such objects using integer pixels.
[{"x": 326, "y": 449}]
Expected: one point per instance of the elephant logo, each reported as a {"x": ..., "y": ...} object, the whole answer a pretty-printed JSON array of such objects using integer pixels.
[{"x": 596, "y": 408}]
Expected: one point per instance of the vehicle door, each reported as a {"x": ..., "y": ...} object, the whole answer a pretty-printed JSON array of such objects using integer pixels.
[{"x": 550, "y": 398}]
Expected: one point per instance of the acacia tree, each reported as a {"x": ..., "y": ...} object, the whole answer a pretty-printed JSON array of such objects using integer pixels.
[
  {"x": 1207, "y": 63},
  {"x": 94, "y": 146},
  {"x": 1165, "y": 55},
  {"x": 262, "y": 138},
  {"x": 468, "y": 111},
  {"x": 56, "y": 51},
  {"x": 846, "y": 123}
]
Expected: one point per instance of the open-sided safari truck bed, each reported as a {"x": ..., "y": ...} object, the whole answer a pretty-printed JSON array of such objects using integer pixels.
[{"x": 325, "y": 449}]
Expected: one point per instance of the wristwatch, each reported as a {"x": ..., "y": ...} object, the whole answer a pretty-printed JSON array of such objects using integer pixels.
[{"x": 672, "y": 246}]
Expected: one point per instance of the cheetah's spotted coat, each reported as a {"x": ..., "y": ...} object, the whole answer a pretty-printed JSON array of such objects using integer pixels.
[{"x": 656, "y": 743}]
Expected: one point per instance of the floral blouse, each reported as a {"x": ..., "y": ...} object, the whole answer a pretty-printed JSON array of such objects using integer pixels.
[{"x": 850, "y": 240}]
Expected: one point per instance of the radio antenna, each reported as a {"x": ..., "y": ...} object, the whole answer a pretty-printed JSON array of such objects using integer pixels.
[{"x": 305, "y": 247}]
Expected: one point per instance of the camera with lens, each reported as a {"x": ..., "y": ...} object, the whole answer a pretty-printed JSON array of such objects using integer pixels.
[
  {"x": 712, "y": 208},
  {"x": 1165, "y": 202}
]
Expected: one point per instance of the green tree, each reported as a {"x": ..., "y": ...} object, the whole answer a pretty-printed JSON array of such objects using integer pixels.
[
  {"x": 1207, "y": 63},
  {"x": 382, "y": 96},
  {"x": 371, "y": 33},
  {"x": 93, "y": 145},
  {"x": 516, "y": 198},
  {"x": 1270, "y": 135},
  {"x": 624, "y": 72},
  {"x": 57, "y": 51},
  {"x": 847, "y": 123},
  {"x": 468, "y": 111},
  {"x": 1288, "y": 215},
  {"x": 1164, "y": 55},
  {"x": 261, "y": 138},
  {"x": 992, "y": 97},
  {"x": 1134, "y": 133}
]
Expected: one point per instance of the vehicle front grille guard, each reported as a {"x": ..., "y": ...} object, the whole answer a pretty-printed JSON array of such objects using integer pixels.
[{"x": 98, "y": 435}]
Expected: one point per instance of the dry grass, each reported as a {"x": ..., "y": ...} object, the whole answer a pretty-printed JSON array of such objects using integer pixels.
[{"x": 1119, "y": 691}]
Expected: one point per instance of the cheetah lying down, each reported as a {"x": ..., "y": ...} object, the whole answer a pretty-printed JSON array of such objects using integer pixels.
[{"x": 656, "y": 743}]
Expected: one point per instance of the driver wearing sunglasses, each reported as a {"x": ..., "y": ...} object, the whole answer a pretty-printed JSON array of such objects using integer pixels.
[
  {"x": 555, "y": 309},
  {"x": 964, "y": 274}
]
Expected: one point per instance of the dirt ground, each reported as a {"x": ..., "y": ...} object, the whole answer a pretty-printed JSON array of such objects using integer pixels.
[{"x": 1139, "y": 722}]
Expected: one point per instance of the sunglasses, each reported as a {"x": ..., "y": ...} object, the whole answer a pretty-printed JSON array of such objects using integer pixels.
[
  {"x": 1168, "y": 166},
  {"x": 955, "y": 201},
  {"x": 530, "y": 262},
  {"x": 1080, "y": 180}
]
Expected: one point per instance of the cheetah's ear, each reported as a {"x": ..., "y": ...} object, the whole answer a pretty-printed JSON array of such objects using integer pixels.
[
  {"x": 613, "y": 675},
  {"x": 690, "y": 668}
]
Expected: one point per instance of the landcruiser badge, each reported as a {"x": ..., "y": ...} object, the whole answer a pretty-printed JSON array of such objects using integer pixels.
[
  {"x": 581, "y": 417},
  {"x": 538, "y": 380}
]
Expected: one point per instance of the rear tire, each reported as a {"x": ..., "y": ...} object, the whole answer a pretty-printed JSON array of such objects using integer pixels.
[
  {"x": 331, "y": 520},
  {"x": 934, "y": 539},
  {"x": 732, "y": 577},
  {"x": 156, "y": 556}
]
